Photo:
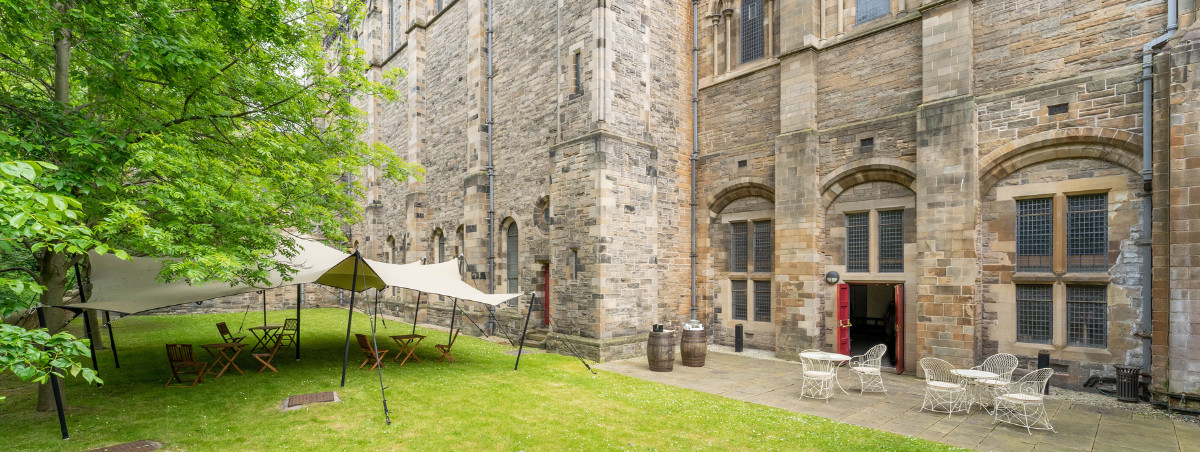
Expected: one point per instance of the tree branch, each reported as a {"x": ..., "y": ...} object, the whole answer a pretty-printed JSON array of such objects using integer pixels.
[
  {"x": 36, "y": 278},
  {"x": 238, "y": 115}
]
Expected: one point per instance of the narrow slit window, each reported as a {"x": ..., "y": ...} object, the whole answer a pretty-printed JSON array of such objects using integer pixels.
[
  {"x": 1035, "y": 306},
  {"x": 1087, "y": 316},
  {"x": 891, "y": 241},
  {"x": 578, "y": 66},
  {"x": 857, "y": 248},
  {"x": 739, "y": 248},
  {"x": 513, "y": 256},
  {"x": 762, "y": 246},
  {"x": 762, "y": 301},
  {"x": 738, "y": 289},
  {"x": 752, "y": 30},
  {"x": 1035, "y": 232},
  {"x": 1087, "y": 232},
  {"x": 574, "y": 265}
]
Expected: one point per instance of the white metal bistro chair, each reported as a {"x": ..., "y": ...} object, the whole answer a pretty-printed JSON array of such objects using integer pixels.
[
  {"x": 1023, "y": 403},
  {"x": 944, "y": 392},
  {"x": 1001, "y": 364},
  {"x": 866, "y": 366},
  {"x": 817, "y": 375}
]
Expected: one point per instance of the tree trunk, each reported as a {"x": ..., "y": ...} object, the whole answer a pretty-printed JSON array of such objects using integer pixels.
[{"x": 53, "y": 271}]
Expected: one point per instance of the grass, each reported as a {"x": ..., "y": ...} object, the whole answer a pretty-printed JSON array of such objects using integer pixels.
[{"x": 478, "y": 403}]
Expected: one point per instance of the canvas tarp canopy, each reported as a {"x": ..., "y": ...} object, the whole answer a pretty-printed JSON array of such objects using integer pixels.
[{"x": 133, "y": 286}]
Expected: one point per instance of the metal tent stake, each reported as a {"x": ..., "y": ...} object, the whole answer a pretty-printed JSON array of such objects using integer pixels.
[
  {"x": 299, "y": 299},
  {"x": 350, "y": 316},
  {"x": 532, "y": 300},
  {"x": 58, "y": 402}
]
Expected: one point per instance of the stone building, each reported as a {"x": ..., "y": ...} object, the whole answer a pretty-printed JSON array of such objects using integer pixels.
[{"x": 954, "y": 178}]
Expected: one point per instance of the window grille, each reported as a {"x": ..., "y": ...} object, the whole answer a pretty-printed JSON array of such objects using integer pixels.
[
  {"x": 738, "y": 289},
  {"x": 752, "y": 30},
  {"x": 512, "y": 257},
  {"x": 738, "y": 253},
  {"x": 1035, "y": 307},
  {"x": 857, "y": 238},
  {"x": 1035, "y": 232},
  {"x": 1087, "y": 232},
  {"x": 891, "y": 241},
  {"x": 762, "y": 301},
  {"x": 871, "y": 9},
  {"x": 578, "y": 72},
  {"x": 1087, "y": 316},
  {"x": 762, "y": 246}
]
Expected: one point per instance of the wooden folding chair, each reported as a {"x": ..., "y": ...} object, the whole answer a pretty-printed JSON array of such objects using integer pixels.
[
  {"x": 226, "y": 335},
  {"x": 180, "y": 357},
  {"x": 370, "y": 353},
  {"x": 445, "y": 348},
  {"x": 266, "y": 357},
  {"x": 287, "y": 336}
]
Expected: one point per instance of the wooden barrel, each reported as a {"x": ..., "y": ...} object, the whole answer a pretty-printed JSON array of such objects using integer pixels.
[
  {"x": 660, "y": 350},
  {"x": 693, "y": 346}
]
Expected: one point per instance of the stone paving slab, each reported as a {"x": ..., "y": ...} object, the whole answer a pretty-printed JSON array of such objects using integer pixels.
[{"x": 776, "y": 383}]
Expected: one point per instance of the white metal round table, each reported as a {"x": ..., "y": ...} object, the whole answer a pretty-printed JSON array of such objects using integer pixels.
[
  {"x": 826, "y": 356},
  {"x": 976, "y": 394}
]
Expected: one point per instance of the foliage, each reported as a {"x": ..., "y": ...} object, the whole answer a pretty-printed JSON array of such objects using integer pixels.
[
  {"x": 476, "y": 403},
  {"x": 21, "y": 351}
]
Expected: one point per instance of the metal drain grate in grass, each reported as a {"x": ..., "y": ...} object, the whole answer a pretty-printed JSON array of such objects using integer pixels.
[
  {"x": 298, "y": 401},
  {"x": 137, "y": 446}
]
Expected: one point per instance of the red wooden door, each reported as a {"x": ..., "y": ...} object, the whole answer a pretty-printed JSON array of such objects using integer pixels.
[
  {"x": 899, "y": 339},
  {"x": 843, "y": 319},
  {"x": 546, "y": 294}
]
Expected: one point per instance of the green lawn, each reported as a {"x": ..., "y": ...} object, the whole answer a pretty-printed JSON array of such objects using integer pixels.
[{"x": 478, "y": 403}]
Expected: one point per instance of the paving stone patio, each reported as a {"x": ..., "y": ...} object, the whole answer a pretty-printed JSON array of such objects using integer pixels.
[{"x": 777, "y": 383}]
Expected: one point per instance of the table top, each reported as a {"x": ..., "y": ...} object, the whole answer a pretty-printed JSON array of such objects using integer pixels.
[
  {"x": 408, "y": 336},
  {"x": 971, "y": 373},
  {"x": 825, "y": 355},
  {"x": 269, "y": 326},
  {"x": 224, "y": 345}
]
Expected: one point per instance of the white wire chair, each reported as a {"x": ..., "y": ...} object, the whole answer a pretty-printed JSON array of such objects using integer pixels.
[
  {"x": 817, "y": 375},
  {"x": 1001, "y": 364},
  {"x": 866, "y": 366},
  {"x": 1023, "y": 403},
  {"x": 944, "y": 392}
]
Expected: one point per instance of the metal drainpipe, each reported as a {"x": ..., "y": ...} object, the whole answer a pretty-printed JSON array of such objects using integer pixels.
[
  {"x": 695, "y": 135},
  {"x": 491, "y": 173},
  {"x": 1148, "y": 50}
]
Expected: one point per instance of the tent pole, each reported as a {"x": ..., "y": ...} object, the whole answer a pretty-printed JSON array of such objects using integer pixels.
[
  {"x": 453, "y": 311},
  {"x": 299, "y": 298},
  {"x": 532, "y": 300},
  {"x": 58, "y": 402},
  {"x": 415, "y": 309},
  {"x": 264, "y": 293},
  {"x": 111, "y": 343},
  {"x": 350, "y": 317},
  {"x": 87, "y": 322},
  {"x": 378, "y": 367}
]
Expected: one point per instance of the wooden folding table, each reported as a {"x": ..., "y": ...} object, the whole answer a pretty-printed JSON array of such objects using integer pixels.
[{"x": 408, "y": 345}]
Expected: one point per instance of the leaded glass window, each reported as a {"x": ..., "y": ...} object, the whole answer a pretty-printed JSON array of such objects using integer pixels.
[
  {"x": 513, "y": 256},
  {"x": 857, "y": 238},
  {"x": 1035, "y": 307},
  {"x": 738, "y": 289},
  {"x": 1035, "y": 232},
  {"x": 1087, "y": 316},
  {"x": 871, "y": 9},
  {"x": 762, "y": 246},
  {"x": 1087, "y": 232},
  {"x": 752, "y": 30},
  {"x": 891, "y": 241},
  {"x": 762, "y": 301},
  {"x": 739, "y": 252}
]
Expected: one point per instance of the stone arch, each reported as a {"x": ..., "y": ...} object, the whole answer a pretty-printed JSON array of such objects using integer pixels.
[
  {"x": 1075, "y": 143},
  {"x": 740, "y": 188},
  {"x": 869, "y": 170}
]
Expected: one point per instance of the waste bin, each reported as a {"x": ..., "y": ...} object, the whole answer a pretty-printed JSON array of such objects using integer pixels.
[{"x": 1127, "y": 383}]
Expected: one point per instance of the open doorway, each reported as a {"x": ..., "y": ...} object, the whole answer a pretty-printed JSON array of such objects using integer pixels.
[{"x": 873, "y": 319}]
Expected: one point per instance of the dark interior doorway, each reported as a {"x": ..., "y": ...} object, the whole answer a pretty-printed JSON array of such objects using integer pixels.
[{"x": 873, "y": 319}]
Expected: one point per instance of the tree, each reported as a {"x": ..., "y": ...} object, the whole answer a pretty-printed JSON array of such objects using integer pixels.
[{"x": 197, "y": 130}]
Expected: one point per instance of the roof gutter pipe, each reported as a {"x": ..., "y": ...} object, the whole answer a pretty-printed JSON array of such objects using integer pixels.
[
  {"x": 491, "y": 173},
  {"x": 1148, "y": 51},
  {"x": 695, "y": 137}
]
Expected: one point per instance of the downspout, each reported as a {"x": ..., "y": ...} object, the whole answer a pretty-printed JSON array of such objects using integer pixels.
[
  {"x": 1148, "y": 50},
  {"x": 695, "y": 135},
  {"x": 491, "y": 173}
]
